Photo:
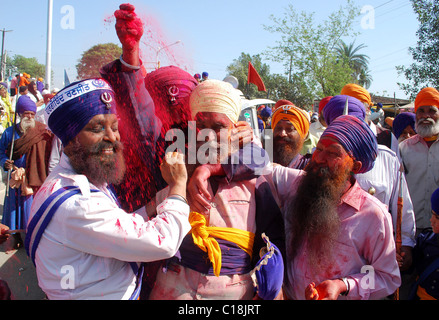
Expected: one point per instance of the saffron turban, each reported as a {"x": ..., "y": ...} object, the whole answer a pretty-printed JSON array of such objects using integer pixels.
[
  {"x": 24, "y": 104},
  {"x": 70, "y": 110},
  {"x": 356, "y": 138},
  {"x": 435, "y": 201},
  {"x": 401, "y": 122},
  {"x": 357, "y": 91},
  {"x": 298, "y": 117},
  {"x": 336, "y": 106},
  {"x": 216, "y": 96},
  {"x": 323, "y": 103},
  {"x": 427, "y": 97}
]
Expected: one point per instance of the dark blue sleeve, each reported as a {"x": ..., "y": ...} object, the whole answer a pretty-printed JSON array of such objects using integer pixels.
[{"x": 247, "y": 163}]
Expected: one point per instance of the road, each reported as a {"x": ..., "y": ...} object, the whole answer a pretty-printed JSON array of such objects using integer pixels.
[{"x": 16, "y": 268}]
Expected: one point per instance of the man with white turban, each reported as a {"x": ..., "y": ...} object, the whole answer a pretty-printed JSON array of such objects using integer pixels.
[{"x": 214, "y": 261}]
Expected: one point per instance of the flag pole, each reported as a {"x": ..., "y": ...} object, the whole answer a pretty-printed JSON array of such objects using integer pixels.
[{"x": 49, "y": 44}]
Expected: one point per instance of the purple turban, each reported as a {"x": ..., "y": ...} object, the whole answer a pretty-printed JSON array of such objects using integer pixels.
[
  {"x": 435, "y": 201},
  {"x": 71, "y": 109},
  {"x": 335, "y": 107},
  {"x": 356, "y": 138},
  {"x": 24, "y": 104},
  {"x": 401, "y": 122}
]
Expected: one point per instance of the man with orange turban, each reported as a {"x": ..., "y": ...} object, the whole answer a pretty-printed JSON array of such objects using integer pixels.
[
  {"x": 419, "y": 155},
  {"x": 290, "y": 126},
  {"x": 384, "y": 136}
]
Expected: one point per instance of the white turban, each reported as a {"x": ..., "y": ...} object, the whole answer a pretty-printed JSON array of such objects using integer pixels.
[{"x": 216, "y": 96}]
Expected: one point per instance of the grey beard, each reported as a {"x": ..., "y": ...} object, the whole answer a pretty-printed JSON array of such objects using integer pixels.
[{"x": 426, "y": 131}]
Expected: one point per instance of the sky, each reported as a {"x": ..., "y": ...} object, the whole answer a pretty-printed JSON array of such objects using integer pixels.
[{"x": 202, "y": 35}]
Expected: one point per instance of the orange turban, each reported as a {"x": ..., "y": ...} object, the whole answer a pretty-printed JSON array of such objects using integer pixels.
[
  {"x": 357, "y": 91},
  {"x": 298, "y": 117},
  {"x": 427, "y": 97}
]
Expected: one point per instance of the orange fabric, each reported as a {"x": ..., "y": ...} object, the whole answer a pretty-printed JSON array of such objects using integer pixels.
[
  {"x": 427, "y": 97},
  {"x": 293, "y": 114},
  {"x": 323, "y": 103},
  {"x": 357, "y": 91}
]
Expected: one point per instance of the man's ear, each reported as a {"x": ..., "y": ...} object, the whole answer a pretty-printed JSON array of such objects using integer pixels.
[{"x": 357, "y": 166}]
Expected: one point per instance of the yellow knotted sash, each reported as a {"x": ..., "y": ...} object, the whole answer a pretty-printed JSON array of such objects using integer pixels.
[{"x": 204, "y": 238}]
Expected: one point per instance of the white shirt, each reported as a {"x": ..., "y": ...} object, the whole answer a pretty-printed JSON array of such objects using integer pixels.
[
  {"x": 421, "y": 164},
  {"x": 316, "y": 129},
  {"x": 385, "y": 179},
  {"x": 90, "y": 240}
]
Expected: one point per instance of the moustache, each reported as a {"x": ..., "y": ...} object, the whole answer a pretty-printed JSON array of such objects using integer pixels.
[
  {"x": 430, "y": 120},
  {"x": 96, "y": 149}
]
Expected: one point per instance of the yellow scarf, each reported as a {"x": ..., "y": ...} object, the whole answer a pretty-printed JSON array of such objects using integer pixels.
[{"x": 204, "y": 238}]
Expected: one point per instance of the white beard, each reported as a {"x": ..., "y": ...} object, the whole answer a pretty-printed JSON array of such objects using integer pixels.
[
  {"x": 427, "y": 130},
  {"x": 27, "y": 123}
]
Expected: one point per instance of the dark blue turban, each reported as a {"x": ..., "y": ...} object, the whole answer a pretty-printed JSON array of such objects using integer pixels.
[
  {"x": 356, "y": 138},
  {"x": 336, "y": 106},
  {"x": 401, "y": 122},
  {"x": 25, "y": 103},
  {"x": 435, "y": 201},
  {"x": 71, "y": 109}
]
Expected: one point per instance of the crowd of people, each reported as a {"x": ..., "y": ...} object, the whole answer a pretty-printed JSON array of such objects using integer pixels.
[{"x": 147, "y": 186}]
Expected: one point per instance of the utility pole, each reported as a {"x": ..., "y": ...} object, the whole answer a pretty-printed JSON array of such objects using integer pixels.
[
  {"x": 49, "y": 44},
  {"x": 3, "y": 63}
]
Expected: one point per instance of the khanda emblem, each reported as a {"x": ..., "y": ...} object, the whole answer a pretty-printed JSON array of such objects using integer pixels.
[
  {"x": 173, "y": 93},
  {"x": 107, "y": 99}
]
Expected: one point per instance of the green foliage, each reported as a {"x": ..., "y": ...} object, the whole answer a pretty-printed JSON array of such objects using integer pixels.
[
  {"x": 96, "y": 57},
  {"x": 358, "y": 62},
  {"x": 28, "y": 65},
  {"x": 425, "y": 70},
  {"x": 307, "y": 49}
]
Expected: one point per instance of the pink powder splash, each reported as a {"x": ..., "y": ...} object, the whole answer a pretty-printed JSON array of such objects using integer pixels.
[{"x": 155, "y": 45}]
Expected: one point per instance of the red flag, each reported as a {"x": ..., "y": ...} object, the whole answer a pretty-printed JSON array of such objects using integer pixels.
[{"x": 255, "y": 78}]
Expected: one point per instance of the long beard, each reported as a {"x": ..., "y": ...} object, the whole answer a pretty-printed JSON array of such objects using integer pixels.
[
  {"x": 283, "y": 153},
  {"x": 97, "y": 167},
  {"x": 313, "y": 216},
  {"x": 27, "y": 123},
  {"x": 427, "y": 130}
]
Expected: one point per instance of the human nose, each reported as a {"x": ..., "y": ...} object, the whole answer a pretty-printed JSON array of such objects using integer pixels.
[{"x": 110, "y": 135}]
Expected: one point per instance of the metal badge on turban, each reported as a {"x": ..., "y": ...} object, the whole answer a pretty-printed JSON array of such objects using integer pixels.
[
  {"x": 173, "y": 92},
  {"x": 107, "y": 99}
]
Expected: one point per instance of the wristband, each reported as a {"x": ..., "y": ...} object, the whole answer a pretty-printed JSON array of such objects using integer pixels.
[
  {"x": 128, "y": 65},
  {"x": 345, "y": 281},
  {"x": 178, "y": 197}
]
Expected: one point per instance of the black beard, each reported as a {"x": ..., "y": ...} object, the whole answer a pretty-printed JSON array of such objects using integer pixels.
[
  {"x": 284, "y": 153},
  {"x": 312, "y": 215},
  {"x": 98, "y": 168}
]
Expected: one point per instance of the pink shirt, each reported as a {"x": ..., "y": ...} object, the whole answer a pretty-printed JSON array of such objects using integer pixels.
[{"x": 365, "y": 253}]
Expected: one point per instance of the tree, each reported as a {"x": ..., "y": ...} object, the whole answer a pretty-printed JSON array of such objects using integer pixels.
[
  {"x": 425, "y": 70},
  {"x": 308, "y": 49},
  {"x": 95, "y": 57},
  {"x": 239, "y": 69},
  {"x": 28, "y": 65},
  {"x": 358, "y": 62}
]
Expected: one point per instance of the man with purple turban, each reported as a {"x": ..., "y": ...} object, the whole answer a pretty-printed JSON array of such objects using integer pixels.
[
  {"x": 18, "y": 201},
  {"x": 384, "y": 180},
  {"x": 404, "y": 126},
  {"x": 334, "y": 228}
]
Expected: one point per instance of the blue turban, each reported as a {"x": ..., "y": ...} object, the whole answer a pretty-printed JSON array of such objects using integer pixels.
[
  {"x": 268, "y": 273},
  {"x": 25, "y": 103},
  {"x": 3, "y": 85},
  {"x": 401, "y": 122},
  {"x": 336, "y": 106},
  {"x": 266, "y": 112},
  {"x": 435, "y": 201},
  {"x": 71, "y": 109},
  {"x": 356, "y": 138}
]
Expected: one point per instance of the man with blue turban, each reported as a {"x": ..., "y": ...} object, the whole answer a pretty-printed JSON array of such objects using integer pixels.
[
  {"x": 404, "y": 126},
  {"x": 384, "y": 180},
  {"x": 84, "y": 246},
  {"x": 332, "y": 226}
]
